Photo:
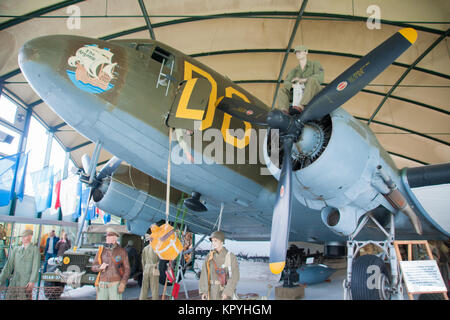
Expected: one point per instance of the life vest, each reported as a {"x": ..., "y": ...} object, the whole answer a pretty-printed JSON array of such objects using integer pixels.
[{"x": 165, "y": 243}]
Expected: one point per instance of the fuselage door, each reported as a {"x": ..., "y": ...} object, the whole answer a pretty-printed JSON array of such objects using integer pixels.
[{"x": 190, "y": 103}]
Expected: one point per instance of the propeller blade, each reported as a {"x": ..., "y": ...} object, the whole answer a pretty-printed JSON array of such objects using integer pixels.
[
  {"x": 243, "y": 110},
  {"x": 282, "y": 213},
  {"x": 86, "y": 162},
  {"x": 109, "y": 168},
  {"x": 358, "y": 75}
]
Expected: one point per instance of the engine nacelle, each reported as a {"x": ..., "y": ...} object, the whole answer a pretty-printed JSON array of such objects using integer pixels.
[
  {"x": 339, "y": 179},
  {"x": 136, "y": 197}
]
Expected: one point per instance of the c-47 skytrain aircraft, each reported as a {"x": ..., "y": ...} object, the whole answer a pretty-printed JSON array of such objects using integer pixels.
[{"x": 126, "y": 94}]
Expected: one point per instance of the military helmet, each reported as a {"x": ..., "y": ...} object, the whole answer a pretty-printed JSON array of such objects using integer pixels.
[
  {"x": 26, "y": 232},
  {"x": 300, "y": 48},
  {"x": 112, "y": 231},
  {"x": 218, "y": 235}
]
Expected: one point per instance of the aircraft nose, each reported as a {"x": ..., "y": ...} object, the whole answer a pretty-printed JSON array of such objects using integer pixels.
[
  {"x": 44, "y": 63},
  {"x": 35, "y": 50}
]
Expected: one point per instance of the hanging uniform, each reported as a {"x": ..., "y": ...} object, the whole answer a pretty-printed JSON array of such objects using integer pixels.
[
  {"x": 313, "y": 71},
  {"x": 150, "y": 262},
  {"x": 23, "y": 264},
  {"x": 220, "y": 275}
]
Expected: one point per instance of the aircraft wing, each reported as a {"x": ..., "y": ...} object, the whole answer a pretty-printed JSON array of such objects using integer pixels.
[{"x": 428, "y": 189}]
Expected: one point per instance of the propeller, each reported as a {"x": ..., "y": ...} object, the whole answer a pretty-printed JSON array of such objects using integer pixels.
[
  {"x": 88, "y": 175},
  {"x": 341, "y": 89}
]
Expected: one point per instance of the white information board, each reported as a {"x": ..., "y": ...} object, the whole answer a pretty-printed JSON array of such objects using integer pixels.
[
  {"x": 422, "y": 276},
  {"x": 310, "y": 260}
]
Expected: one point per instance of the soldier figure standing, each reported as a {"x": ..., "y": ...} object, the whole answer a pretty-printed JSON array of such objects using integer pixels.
[
  {"x": 23, "y": 264},
  {"x": 308, "y": 73},
  {"x": 150, "y": 263},
  {"x": 111, "y": 262},
  {"x": 220, "y": 272}
]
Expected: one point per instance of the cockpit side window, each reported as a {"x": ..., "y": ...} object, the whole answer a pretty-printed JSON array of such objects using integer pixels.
[{"x": 162, "y": 56}]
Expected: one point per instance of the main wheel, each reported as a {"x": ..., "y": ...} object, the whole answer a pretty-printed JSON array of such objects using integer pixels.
[{"x": 370, "y": 279}]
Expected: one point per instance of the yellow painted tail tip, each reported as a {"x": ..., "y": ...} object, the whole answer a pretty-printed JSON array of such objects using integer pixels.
[
  {"x": 410, "y": 34},
  {"x": 277, "y": 267}
]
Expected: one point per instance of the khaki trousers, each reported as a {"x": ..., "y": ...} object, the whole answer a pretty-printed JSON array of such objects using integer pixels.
[
  {"x": 108, "y": 291},
  {"x": 312, "y": 87},
  {"x": 151, "y": 280}
]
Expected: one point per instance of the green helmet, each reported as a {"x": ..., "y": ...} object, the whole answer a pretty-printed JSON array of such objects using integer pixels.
[
  {"x": 218, "y": 235},
  {"x": 300, "y": 48}
]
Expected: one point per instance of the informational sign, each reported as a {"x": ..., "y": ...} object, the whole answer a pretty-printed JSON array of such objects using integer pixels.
[
  {"x": 422, "y": 276},
  {"x": 310, "y": 260}
]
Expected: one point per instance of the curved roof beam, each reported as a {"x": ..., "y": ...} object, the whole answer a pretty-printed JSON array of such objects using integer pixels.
[
  {"x": 407, "y": 158},
  {"x": 428, "y": 50},
  {"x": 406, "y": 130},
  {"x": 288, "y": 49},
  {"x": 236, "y": 15},
  {"x": 331, "y": 53},
  {"x": 421, "y": 104}
]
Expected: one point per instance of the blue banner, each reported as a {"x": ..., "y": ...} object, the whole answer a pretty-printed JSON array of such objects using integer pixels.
[
  {"x": 43, "y": 186},
  {"x": 77, "y": 212},
  {"x": 7, "y": 172},
  {"x": 91, "y": 214},
  {"x": 106, "y": 218},
  {"x": 21, "y": 172}
]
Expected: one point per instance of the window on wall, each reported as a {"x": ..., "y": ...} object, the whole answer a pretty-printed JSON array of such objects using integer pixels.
[
  {"x": 8, "y": 148},
  {"x": 57, "y": 158},
  {"x": 37, "y": 145},
  {"x": 7, "y": 109},
  {"x": 8, "y": 112}
]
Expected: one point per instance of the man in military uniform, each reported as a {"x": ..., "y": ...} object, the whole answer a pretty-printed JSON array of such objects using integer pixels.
[
  {"x": 220, "y": 272},
  {"x": 150, "y": 263},
  {"x": 23, "y": 263},
  {"x": 308, "y": 73},
  {"x": 113, "y": 268}
]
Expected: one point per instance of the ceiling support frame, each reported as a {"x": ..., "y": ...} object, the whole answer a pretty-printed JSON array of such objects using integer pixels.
[
  {"x": 147, "y": 19},
  {"x": 288, "y": 49},
  {"x": 403, "y": 76}
]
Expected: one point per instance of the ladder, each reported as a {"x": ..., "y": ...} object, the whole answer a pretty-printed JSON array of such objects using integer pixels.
[{"x": 410, "y": 244}]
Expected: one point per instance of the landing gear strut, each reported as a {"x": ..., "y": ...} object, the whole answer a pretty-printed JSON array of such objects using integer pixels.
[{"x": 373, "y": 277}]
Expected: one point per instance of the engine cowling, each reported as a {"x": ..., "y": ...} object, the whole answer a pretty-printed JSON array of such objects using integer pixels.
[
  {"x": 136, "y": 197},
  {"x": 337, "y": 177}
]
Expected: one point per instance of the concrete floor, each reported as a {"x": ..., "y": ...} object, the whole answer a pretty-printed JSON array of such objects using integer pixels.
[{"x": 254, "y": 279}]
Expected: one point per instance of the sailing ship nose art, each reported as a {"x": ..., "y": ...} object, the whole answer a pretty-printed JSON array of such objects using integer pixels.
[{"x": 93, "y": 69}]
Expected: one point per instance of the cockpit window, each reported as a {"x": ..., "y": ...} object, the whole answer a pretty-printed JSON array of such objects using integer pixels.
[{"x": 162, "y": 56}]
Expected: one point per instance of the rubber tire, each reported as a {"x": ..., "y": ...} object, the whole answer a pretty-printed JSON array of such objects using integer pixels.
[
  {"x": 360, "y": 275},
  {"x": 56, "y": 292}
]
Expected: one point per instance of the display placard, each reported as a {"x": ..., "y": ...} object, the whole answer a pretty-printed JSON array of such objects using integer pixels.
[{"x": 422, "y": 276}]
